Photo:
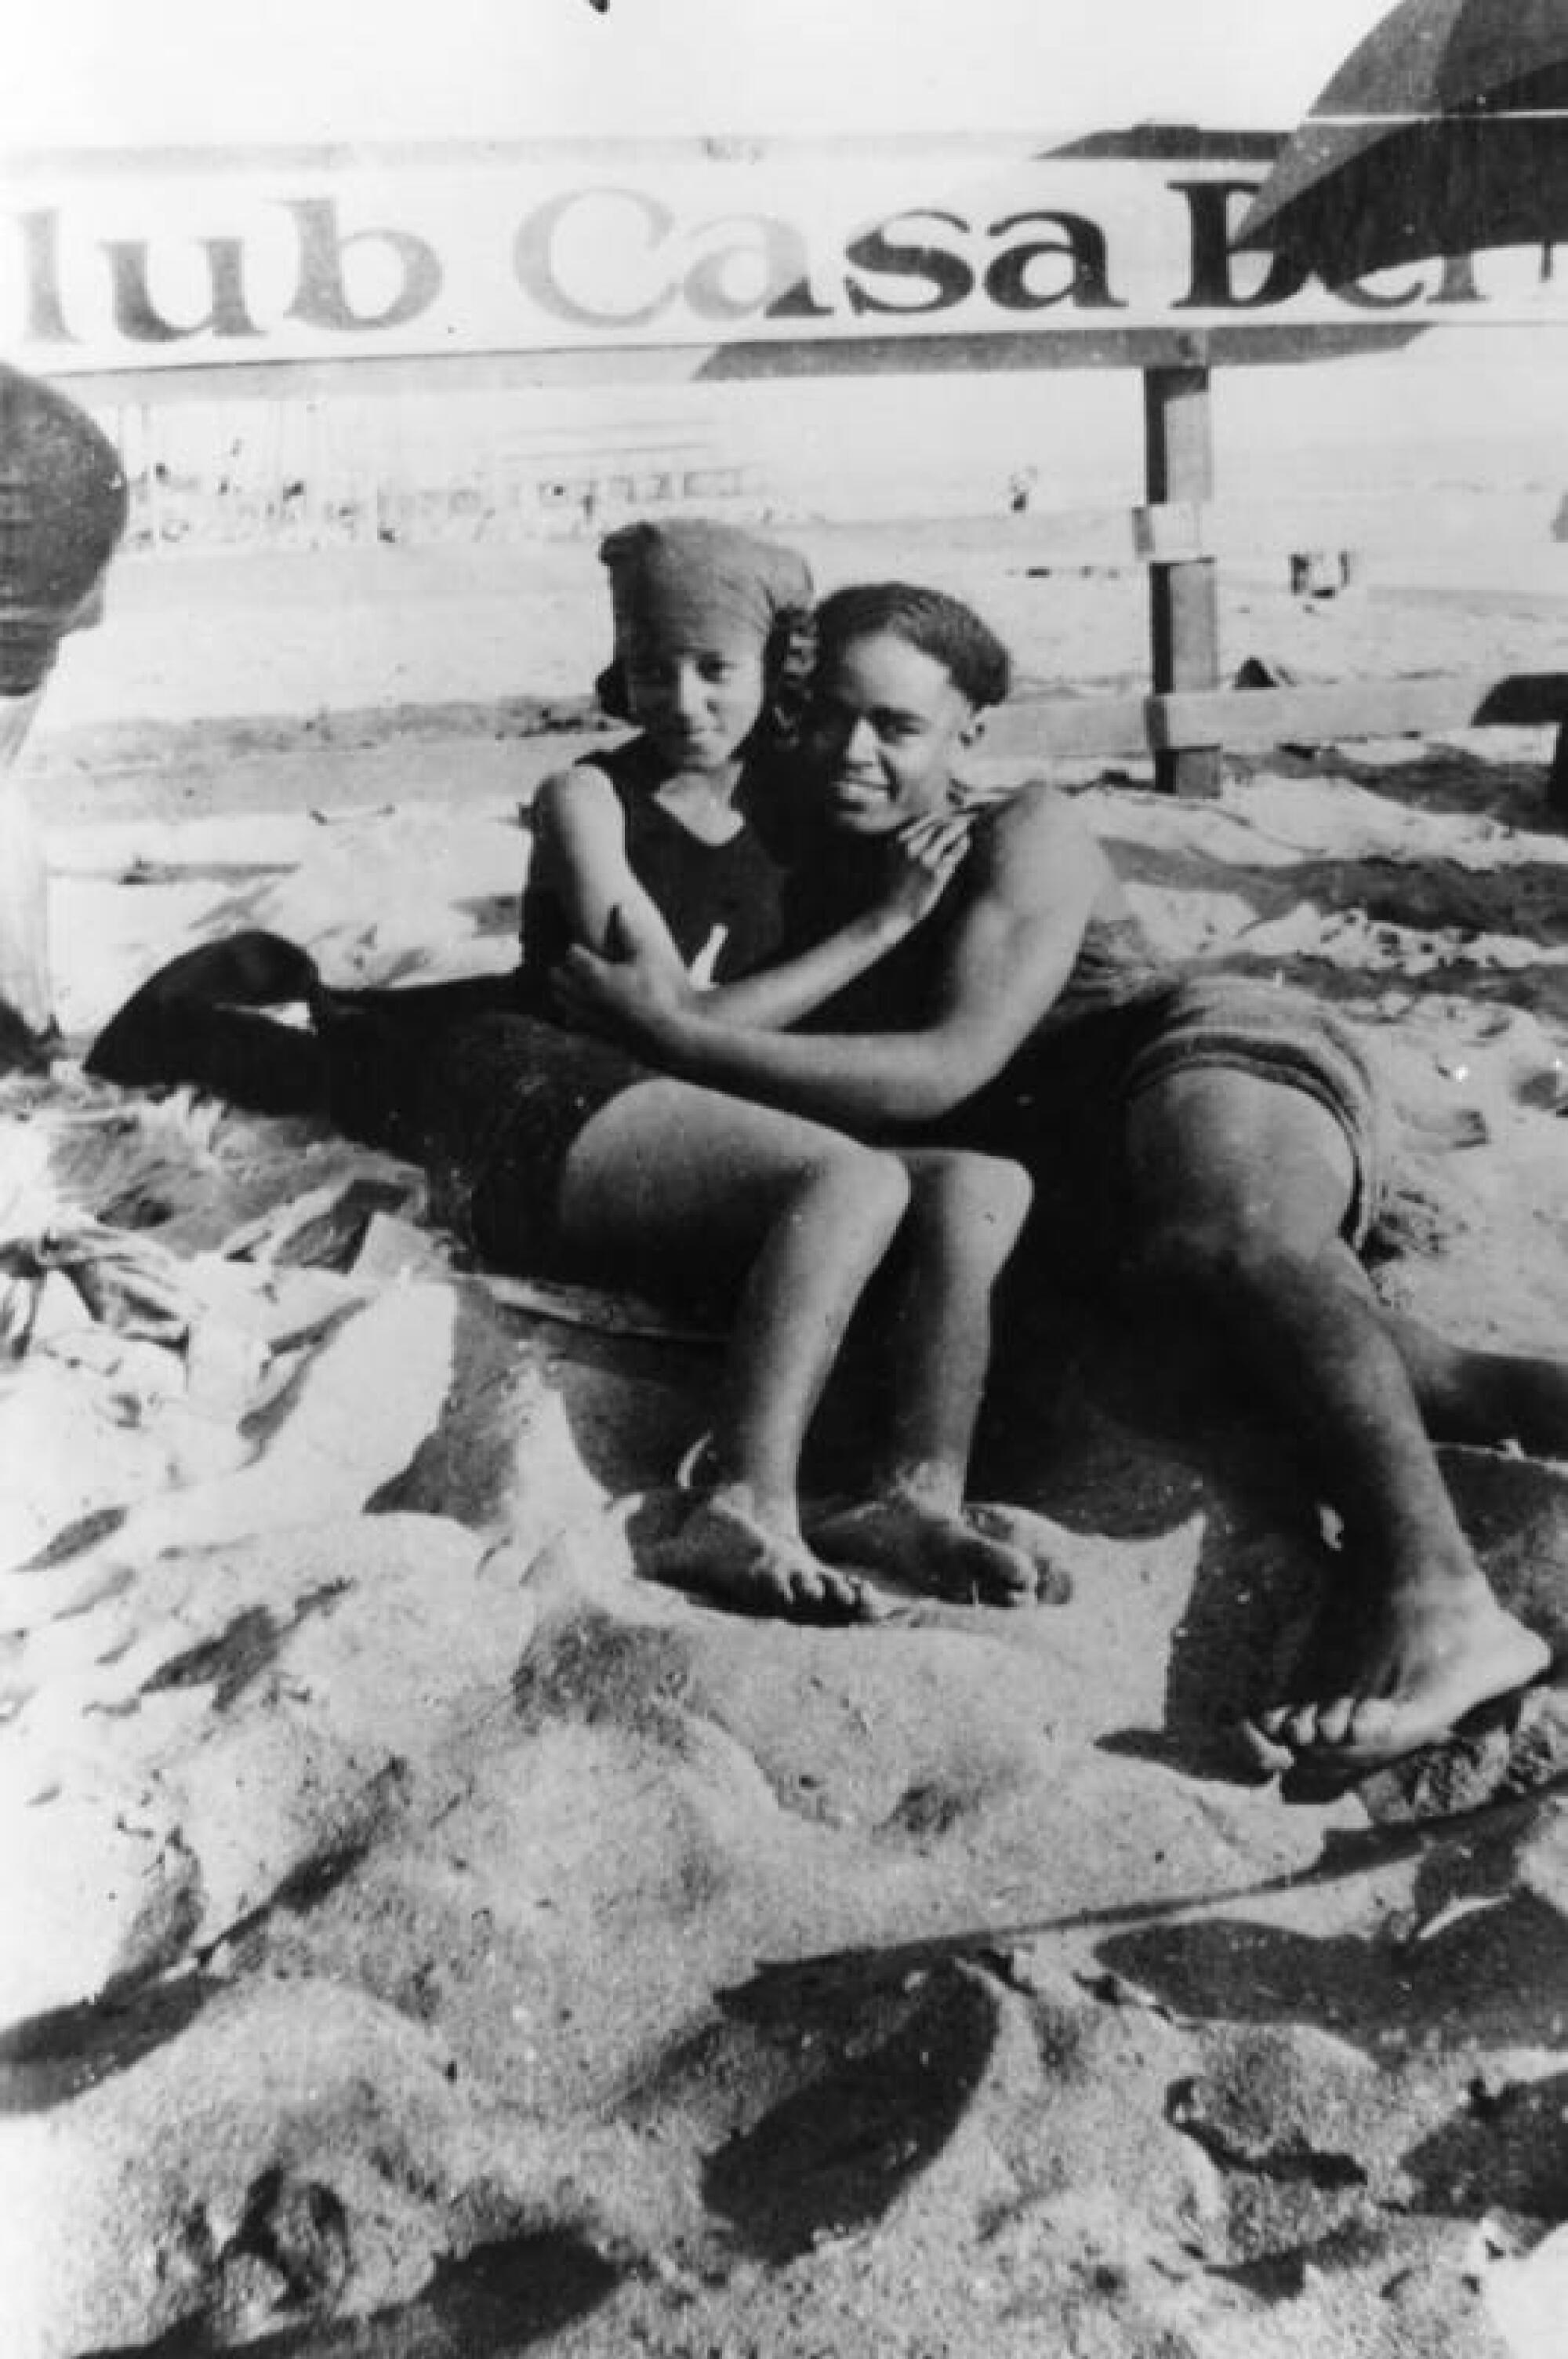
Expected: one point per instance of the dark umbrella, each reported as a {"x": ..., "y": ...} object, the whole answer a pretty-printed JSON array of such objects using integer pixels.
[{"x": 1447, "y": 131}]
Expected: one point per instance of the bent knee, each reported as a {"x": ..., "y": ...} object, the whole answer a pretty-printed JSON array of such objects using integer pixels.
[
  {"x": 976, "y": 1194},
  {"x": 865, "y": 1185}
]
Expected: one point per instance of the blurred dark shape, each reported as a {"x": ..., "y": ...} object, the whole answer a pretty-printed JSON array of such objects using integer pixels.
[
  {"x": 62, "y": 509},
  {"x": 1444, "y": 132}
]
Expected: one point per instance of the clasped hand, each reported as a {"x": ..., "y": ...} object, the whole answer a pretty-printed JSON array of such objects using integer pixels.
[
  {"x": 637, "y": 985},
  {"x": 624, "y": 993},
  {"x": 922, "y": 857}
]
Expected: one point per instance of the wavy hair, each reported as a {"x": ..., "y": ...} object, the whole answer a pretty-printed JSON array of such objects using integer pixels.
[{"x": 940, "y": 626}]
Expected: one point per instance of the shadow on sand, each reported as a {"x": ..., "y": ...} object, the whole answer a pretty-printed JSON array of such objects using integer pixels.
[{"x": 502, "y": 2300}]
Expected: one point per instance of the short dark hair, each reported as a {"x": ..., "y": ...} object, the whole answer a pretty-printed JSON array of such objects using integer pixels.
[{"x": 942, "y": 627}]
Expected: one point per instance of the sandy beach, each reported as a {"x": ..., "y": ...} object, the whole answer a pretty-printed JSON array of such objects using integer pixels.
[{"x": 439, "y": 1939}]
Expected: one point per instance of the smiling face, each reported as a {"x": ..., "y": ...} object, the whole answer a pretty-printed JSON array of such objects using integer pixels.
[
  {"x": 886, "y": 725},
  {"x": 697, "y": 703}
]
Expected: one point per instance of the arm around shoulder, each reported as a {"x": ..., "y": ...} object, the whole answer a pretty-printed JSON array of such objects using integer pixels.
[
  {"x": 1031, "y": 885},
  {"x": 1036, "y": 877}
]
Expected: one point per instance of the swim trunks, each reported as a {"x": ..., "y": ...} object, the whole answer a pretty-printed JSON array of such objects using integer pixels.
[{"x": 1281, "y": 1036}]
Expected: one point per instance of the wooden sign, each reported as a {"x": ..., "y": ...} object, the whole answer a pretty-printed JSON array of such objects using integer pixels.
[{"x": 164, "y": 263}]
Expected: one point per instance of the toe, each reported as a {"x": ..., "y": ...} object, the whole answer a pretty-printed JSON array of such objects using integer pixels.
[
  {"x": 1030, "y": 1538},
  {"x": 819, "y": 1594},
  {"x": 1299, "y": 1728},
  {"x": 994, "y": 1579},
  {"x": 1263, "y": 1754},
  {"x": 851, "y": 1598},
  {"x": 989, "y": 1563},
  {"x": 1362, "y": 1731},
  {"x": 1377, "y": 1731},
  {"x": 1335, "y": 1720},
  {"x": 1010, "y": 1576}
]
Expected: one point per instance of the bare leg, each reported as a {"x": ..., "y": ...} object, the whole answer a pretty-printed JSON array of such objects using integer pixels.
[
  {"x": 669, "y": 1177},
  {"x": 964, "y": 1214},
  {"x": 1488, "y": 1398},
  {"x": 1239, "y": 1187}
]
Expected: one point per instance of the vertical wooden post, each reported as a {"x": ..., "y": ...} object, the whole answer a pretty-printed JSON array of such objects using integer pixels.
[{"x": 1183, "y": 598}]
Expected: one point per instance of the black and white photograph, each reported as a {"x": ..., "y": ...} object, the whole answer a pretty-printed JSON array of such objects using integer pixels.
[{"x": 784, "y": 1179}]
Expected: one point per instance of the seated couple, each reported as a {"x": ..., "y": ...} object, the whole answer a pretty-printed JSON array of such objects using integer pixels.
[{"x": 941, "y": 994}]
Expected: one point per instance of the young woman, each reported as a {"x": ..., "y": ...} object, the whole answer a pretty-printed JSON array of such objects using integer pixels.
[{"x": 556, "y": 1152}]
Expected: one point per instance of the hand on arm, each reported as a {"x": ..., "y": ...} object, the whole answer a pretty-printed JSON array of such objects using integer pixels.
[
  {"x": 631, "y": 993},
  {"x": 1035, "y": 883},
  {"x": 580, "y": 850},
  {"x": 921, "y": 859}
]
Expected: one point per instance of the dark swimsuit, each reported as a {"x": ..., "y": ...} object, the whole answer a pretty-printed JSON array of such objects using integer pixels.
[
  {"x": 474, "y": 1079},
  {"x": 511, "y": 1090}
]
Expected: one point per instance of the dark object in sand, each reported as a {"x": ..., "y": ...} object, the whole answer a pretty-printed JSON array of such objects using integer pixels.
[
  {"x": 62, "y": 509},
  {"x": 192, "y": 1023}
]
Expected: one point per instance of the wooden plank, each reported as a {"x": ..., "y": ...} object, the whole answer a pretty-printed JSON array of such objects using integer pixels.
[
  {"x": 1271, "y": 344},
  {"x": 1184, "y": 595},
  {"x": 1087, "y": 727},
  {"x": 1251, "y": 718},
  {"x": 238, "y": 380},
  {"x": 1169, "y": 532},
  {"x": 1069, "y": 728}
]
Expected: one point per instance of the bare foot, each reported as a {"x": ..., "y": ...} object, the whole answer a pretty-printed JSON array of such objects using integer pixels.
[
  {"x": 939, "y": 1548},
  {"x": 1038, "y": 1538},
  {"x": 1377, "y": 1685},
  {"x": 728, "y": 1551}
]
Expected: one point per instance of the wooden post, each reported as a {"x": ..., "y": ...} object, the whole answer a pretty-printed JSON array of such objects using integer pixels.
[{"x": 1183, "y": 598}]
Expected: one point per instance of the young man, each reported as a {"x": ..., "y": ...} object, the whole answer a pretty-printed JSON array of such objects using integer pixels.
[{"x": 1231, "y": 1127}]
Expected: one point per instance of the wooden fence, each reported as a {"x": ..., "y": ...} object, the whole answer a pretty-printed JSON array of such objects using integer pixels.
[{"x": 1188, "y": 718}]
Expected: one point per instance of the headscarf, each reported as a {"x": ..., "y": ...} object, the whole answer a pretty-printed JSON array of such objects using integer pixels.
[
  {"x": 676, "y": 583},
  {"x": 62, "y": 510}
]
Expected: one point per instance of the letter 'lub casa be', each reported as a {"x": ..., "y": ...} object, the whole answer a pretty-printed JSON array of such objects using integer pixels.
[{"x": 146, "y": 265}]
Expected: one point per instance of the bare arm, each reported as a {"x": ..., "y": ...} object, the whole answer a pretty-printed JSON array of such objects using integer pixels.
[
  {"x": 1035, "y": 883},
  {"x": 580, "y": 836}
]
